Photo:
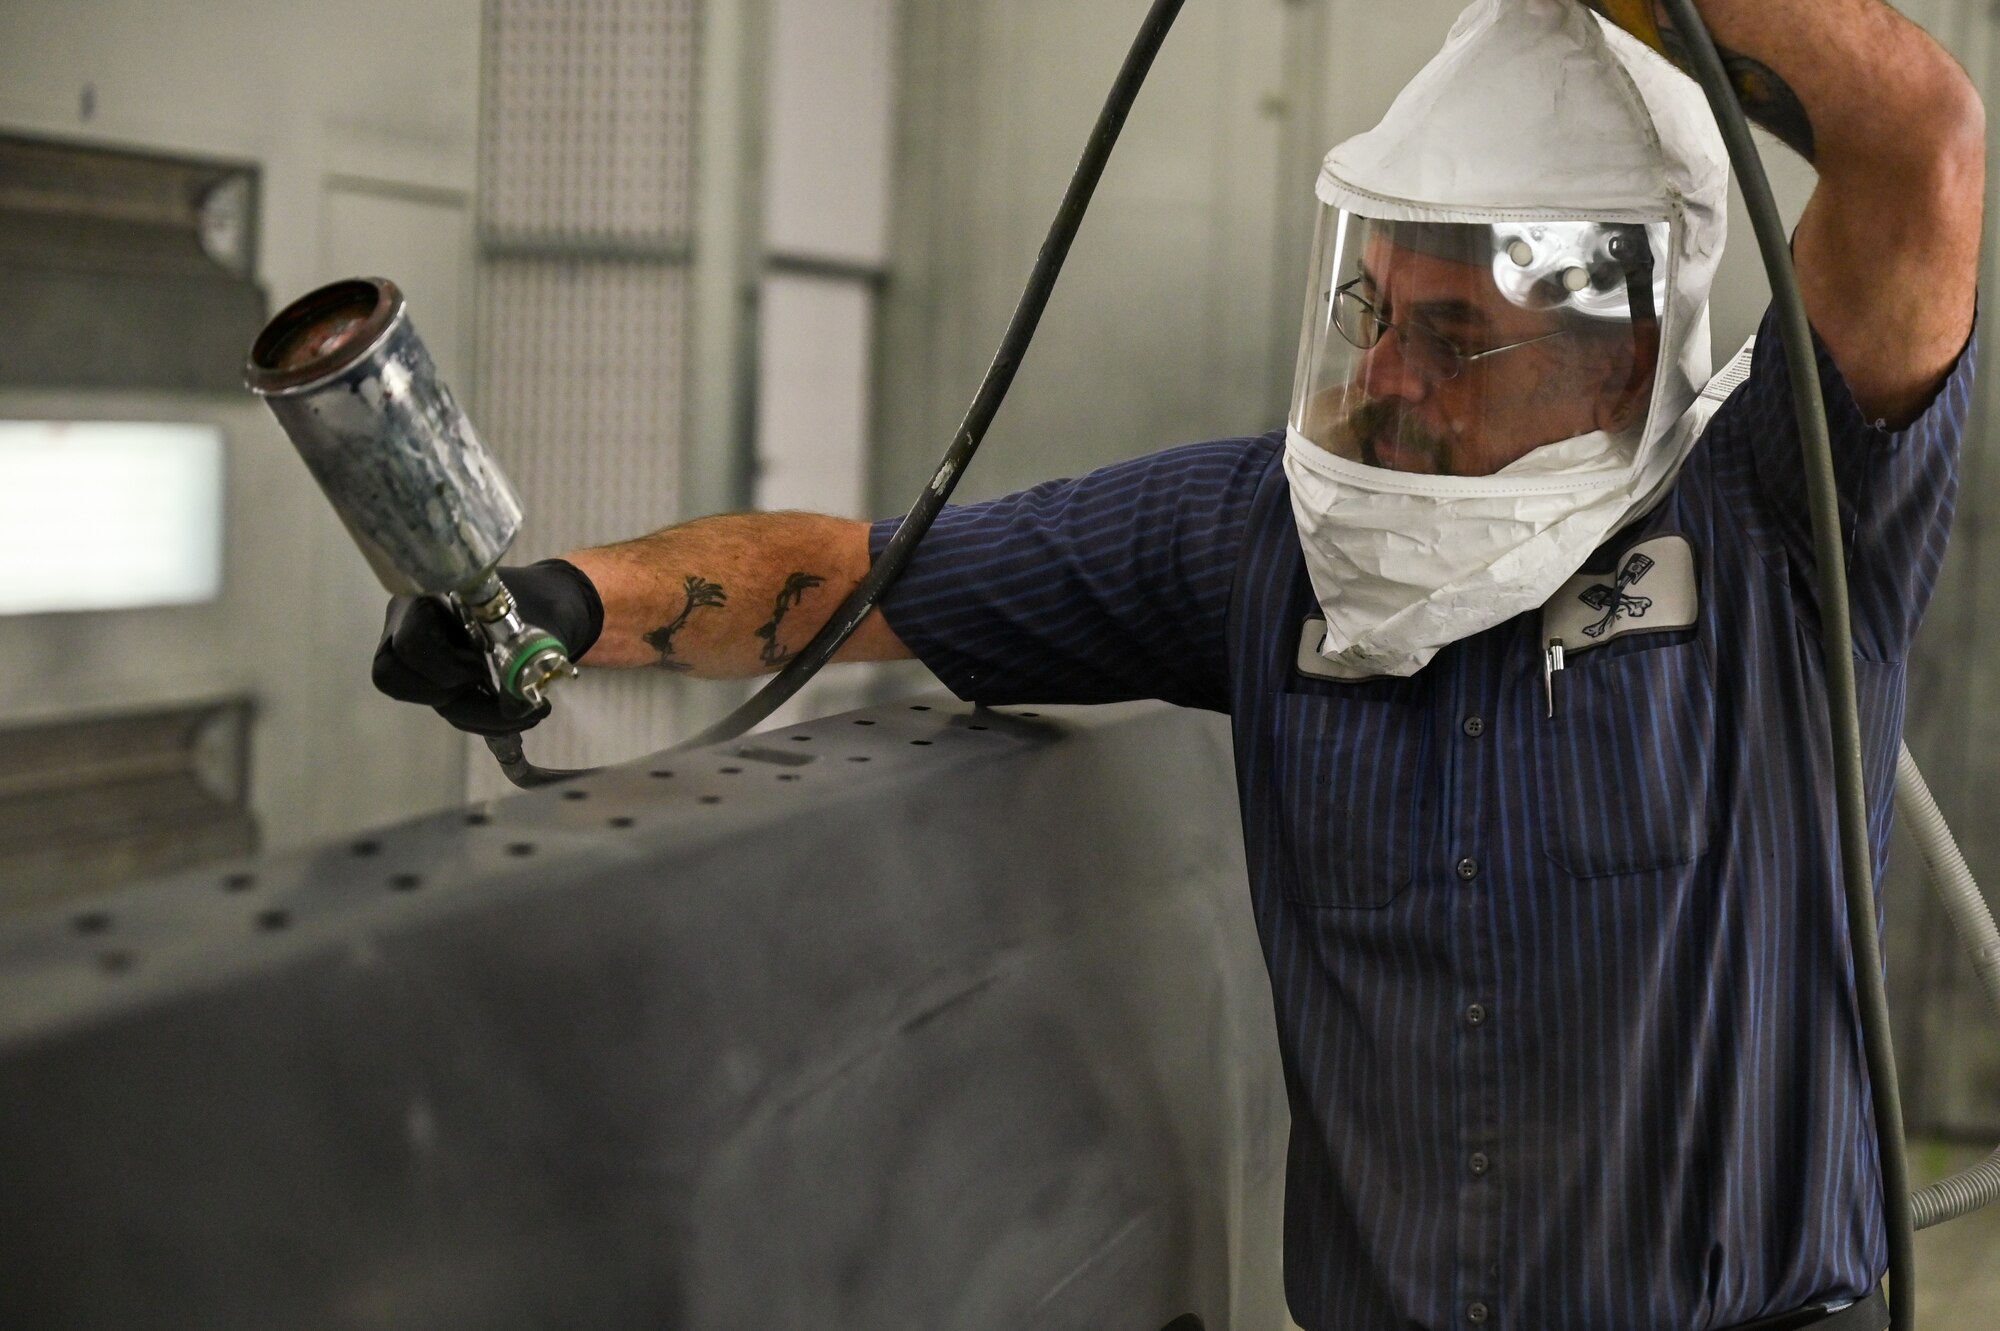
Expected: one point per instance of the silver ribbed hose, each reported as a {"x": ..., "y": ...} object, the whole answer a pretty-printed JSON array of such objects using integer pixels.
[{"x": 1945, "y": 866}]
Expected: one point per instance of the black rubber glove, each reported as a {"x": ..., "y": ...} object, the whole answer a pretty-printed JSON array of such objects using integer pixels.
[{"x": 427, "y": 657}]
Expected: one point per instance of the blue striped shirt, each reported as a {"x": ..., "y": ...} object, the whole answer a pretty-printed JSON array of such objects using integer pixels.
[{"x": 1564, "y": 1003}]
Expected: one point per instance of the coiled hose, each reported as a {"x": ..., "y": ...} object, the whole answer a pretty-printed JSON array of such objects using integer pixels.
[{"x": 1946, "y": 869}]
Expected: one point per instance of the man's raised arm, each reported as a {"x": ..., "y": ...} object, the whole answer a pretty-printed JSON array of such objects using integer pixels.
[{"x": 1888, "y": 246}]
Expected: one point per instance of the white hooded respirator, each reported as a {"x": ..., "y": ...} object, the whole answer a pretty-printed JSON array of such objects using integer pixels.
[{"x": 1506, "y": 329}]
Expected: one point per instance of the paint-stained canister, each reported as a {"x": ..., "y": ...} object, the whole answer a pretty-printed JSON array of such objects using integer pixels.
[{"x": 343, "y": 370}]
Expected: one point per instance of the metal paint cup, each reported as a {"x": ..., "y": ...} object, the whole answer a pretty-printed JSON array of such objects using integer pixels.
[{"x": 343, "y": 370}]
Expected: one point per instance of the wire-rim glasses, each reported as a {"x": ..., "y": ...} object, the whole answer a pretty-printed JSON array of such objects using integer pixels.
[{"x": 1431, "y": 354}]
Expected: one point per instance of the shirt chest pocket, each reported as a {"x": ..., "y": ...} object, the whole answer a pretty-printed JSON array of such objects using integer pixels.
[
  {"x": 1351, "y": 770},
  {"x": 1625, "y": 765}
]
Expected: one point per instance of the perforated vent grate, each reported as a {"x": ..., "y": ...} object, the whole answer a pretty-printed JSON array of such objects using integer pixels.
[
  {"x": 586, "y": 195},
  {"x": 588, "y": 120},
  {"x": 581, "y": 378}
]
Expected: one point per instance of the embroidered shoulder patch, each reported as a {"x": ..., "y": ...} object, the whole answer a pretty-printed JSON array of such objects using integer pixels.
[{"x": 1652, "y": 590}]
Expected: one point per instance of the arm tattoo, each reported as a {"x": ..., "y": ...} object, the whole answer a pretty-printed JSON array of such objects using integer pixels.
[
  {"x": 701, "y": 594},
  {"x": 1767, "y": 99},
  {"x": 794, "y": 591}
]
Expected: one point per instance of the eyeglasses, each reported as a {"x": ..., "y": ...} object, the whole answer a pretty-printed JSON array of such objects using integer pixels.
[{"x": 1430, "y": 355}]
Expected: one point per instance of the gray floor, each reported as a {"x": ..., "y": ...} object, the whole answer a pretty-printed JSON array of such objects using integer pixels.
[{"x": 1958, "y": 1263}]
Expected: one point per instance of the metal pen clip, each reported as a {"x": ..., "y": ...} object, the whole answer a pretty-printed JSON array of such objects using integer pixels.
[{"x": 1552, "y": 661}]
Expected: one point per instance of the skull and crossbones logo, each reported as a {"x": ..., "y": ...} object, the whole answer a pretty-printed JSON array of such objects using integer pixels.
[{"x": 1613, "y": 598}]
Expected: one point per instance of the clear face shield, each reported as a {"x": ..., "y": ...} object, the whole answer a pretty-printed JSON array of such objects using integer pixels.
[{"x": 1460, "y": 349}]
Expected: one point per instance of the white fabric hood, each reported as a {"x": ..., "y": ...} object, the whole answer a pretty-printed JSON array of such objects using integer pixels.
[{"x": 1532, "y": 110}]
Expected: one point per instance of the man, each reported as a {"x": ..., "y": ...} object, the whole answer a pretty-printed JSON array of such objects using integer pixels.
[{"x": 1518, "y": 639}]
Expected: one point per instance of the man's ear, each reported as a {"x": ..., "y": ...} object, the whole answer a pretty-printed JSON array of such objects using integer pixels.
[{"x": 1629, "y": 382}]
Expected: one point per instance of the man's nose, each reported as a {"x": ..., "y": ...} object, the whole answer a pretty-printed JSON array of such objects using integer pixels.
[{"x": 1387, "y": 370}]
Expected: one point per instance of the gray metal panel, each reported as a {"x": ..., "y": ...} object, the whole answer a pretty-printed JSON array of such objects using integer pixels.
[
  {"x": 86, "y": 802},
  {"x": 72, "y": 327},
  {"x": 914, "y": 1017},
  {"x": 123, "y": 269}
]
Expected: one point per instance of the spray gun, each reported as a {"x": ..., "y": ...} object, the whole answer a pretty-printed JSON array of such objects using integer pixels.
[{"x": 343, "y": 370}]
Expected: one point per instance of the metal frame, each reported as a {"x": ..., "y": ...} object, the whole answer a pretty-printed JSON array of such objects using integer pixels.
[{"x": 728, "y": 243}]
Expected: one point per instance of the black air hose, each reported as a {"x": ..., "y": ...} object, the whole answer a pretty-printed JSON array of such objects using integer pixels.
[
  {"x": 1837, "y": 643},
  {"x": 507, "y": 749},
  {"x": 985, "y": 404}
]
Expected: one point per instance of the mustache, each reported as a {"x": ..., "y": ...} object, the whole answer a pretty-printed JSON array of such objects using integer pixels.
[{"x": 1373, "y": 422}]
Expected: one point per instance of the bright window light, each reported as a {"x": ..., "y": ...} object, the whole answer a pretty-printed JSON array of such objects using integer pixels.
[{"x": 108, "y": 515}]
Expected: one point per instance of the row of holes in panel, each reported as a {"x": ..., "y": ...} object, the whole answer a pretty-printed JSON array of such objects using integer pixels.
[{"x": 117, "y": 961}]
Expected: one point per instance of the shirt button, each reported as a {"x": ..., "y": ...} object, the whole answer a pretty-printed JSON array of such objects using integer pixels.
[
  {"x": 1468, "y": 868},
  {"x": 1479, "y": 1164},
  {"x": 1475, "y": 726},
  {"x": 1478, "y": 1313},
  {"x": 1475, "y": 1015}
]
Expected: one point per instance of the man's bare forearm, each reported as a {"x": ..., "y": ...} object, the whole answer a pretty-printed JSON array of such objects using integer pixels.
[{"x": 731, "y": 596}]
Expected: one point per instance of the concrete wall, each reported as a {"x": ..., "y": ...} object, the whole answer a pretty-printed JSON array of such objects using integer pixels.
[
  {"x": 1166, "y": 326},
  {"x": 1945, "y": 1045},
  {"x": 362, "y": 117}
]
